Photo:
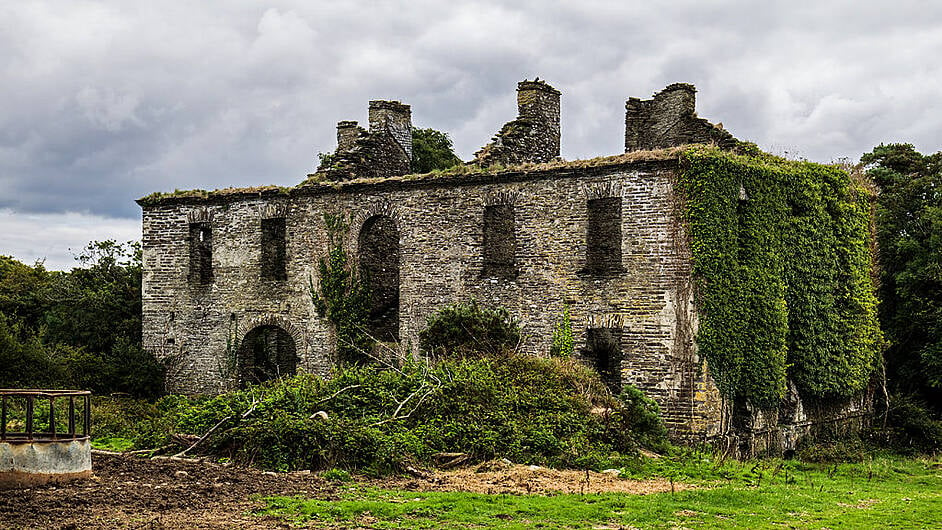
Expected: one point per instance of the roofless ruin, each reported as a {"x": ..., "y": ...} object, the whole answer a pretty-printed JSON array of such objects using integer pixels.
[{"x": 228, "y": 274}]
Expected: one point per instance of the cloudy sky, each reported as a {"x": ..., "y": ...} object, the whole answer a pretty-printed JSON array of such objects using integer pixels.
[{"x": 102, "y": 102}]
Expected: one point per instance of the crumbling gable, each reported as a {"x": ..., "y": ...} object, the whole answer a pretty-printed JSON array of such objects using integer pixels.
[
  {"x": 533, "y": 136},
  {"x": 670, "y": 119}
]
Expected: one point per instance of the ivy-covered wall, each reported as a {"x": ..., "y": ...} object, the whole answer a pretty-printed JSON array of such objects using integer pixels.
[{"x": 782, "y": 267}]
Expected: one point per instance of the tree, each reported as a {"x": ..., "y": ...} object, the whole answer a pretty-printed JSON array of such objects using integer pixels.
[
  {"x": 99, "y": 301},
  {"x": 432, "y": 150},
  {"x": 21, "y": 289},
  {"x": 909, "y": 235},
  {"x": 80, "y": 328}
]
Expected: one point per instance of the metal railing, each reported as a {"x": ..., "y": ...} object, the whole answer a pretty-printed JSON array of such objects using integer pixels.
[{"x": 27, "y": 430}]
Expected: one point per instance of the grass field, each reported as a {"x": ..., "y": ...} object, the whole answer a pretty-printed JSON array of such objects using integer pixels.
[{"x": 885, "y": 492}]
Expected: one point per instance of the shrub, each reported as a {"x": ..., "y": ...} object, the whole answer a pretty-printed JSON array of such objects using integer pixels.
[
  {"x": 469, "y": 330},
  {"x": 910, "y": 427},
  {"x": 531, "y": 410},
  {"x": 642, "y": 417}
]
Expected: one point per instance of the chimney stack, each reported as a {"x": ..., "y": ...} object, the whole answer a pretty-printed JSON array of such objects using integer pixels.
[
  {"x": 347, "y": 132},
  {"x": 394, "y": 118}
]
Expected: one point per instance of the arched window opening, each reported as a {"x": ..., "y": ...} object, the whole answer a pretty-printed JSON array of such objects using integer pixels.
[{"x": 266, "y": 352}]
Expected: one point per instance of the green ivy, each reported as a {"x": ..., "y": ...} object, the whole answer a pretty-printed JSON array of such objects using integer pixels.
[
  {"x": 563, "y": 345},
  {"x": 342, "y": 296},
  {"x": 782, "y": 263}
]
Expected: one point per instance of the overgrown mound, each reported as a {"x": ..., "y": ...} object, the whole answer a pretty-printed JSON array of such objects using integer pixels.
[{"x": 530, "y": 410}]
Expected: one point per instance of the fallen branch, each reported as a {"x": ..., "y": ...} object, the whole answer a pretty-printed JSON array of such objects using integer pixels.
[
  {"x": 213, "y": 429},
  {"x": 396, "y": 415},
  {"x": 337, "y": 393},
  {"x": 450, "y": 460},
  {"x": 145, "y": 451}
]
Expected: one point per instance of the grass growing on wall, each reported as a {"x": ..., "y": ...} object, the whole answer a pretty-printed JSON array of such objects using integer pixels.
[{"x": 782, "y": 261}]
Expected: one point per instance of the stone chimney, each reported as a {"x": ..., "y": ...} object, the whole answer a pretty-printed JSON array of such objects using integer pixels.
[
  {"x": 533, "y": 136},
  {"x": 394, "y": 118},
  {"x": 539, "y": 103},
  {"x": 347, "y": 132}
]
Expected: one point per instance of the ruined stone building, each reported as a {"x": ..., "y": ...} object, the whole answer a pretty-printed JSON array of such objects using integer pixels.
[{"x": 228, "y": 274}]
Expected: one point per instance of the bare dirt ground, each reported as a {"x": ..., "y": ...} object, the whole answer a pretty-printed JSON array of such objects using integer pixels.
[
  {"x": 131, "y": 492},
  {"x": 496, "y": 478}
]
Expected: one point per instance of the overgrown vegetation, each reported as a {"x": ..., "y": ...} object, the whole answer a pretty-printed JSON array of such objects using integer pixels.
[
  {"x": 342, "y": 296},
  {"x": 781, "y": 255},
  {"x": 563, "y": 344},
  {"x": 530, "y": 410},
  {"x": 77, "y": 329},
  {"x": 469, "y": 329}
]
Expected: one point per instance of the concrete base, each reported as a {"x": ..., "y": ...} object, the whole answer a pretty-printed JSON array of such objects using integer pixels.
[{"x": 25, "y": 464}]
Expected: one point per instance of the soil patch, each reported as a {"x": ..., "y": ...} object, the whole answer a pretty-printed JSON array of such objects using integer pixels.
[
  {"x": 132, "y": 492},
  {"x": 515, "y": 479}
]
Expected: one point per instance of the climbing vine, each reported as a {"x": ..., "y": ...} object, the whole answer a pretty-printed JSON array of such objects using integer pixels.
[
  {"x": 563, "y": 344},
  {"x": 342, "y": 297},
  {"x": 782, "y": 261}
]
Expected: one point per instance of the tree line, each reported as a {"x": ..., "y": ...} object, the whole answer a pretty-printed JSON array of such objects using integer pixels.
[{"x": 76, "y": 329}]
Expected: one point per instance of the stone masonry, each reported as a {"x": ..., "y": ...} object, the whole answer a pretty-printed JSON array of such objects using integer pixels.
[
  {"x": 669, "y": 119},
  {"x": 533, "y": 136},
  {"x": 606, "y": 238}
]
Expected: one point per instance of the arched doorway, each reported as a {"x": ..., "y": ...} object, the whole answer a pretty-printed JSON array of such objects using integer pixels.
[
  {"x": 267, "y": 352},
  {"x": 379, "y": 267}
]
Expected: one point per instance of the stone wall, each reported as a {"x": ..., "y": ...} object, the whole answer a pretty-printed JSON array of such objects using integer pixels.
[
  {"x": 440, "y": 222},
  {"x": 670, "y": 119}
]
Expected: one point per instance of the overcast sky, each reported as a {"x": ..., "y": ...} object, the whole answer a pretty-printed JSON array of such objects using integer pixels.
[{"x": 104, "y": 102}]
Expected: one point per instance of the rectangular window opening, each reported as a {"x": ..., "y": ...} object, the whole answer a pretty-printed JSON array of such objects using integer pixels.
[
  {"x": 603, "y": 236},
  {"x": 500, "y": 245},
  {"x": 273, "y": 249},
  {"x": 201, "y": 253},
  {"x": 603, "y": 352}
]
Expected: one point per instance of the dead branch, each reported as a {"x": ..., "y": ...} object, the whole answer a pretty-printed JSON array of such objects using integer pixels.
[
  {"x": 337, "y": 393},
  {"x": 213, "y": 429},
  {"x": 396, "y": 416},
  {"x": 450, "y": 460}
]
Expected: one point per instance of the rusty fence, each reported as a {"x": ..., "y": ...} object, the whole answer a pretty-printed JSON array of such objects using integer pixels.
[{"x": 18, "y": 411}]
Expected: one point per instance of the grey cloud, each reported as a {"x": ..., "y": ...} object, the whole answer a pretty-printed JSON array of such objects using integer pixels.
[{"x": 103, "y": 102}]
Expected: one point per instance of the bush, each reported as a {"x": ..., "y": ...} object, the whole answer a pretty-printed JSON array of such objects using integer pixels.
[
  {"x": 642, "y": 417},
  {"x": 910, "y": 427},
  {"x": 122, "y": 423},
  {"x": 469, "y": 330},
  {"x": 531, "y": 410}
]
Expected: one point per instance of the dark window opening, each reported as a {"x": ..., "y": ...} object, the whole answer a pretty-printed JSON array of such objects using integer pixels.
[
  {"x": 500, "y": 243},
  {"x": 171, "y": 341},
  {"x": 273, "y": 249},
  {"x": 201, "y": 253},
  {"x": 379, "y": 267},
  {"x": 603, "y": 236},
  {"x": 603, "y": 352},
  {"x": 266, "y": 352}
]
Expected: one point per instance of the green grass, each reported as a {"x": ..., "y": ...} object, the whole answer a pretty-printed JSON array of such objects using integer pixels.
[{"x": 882, "y": 493}]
